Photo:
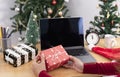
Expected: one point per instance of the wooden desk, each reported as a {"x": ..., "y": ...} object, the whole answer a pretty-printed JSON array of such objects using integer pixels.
[{"x": 7, "y": 70}]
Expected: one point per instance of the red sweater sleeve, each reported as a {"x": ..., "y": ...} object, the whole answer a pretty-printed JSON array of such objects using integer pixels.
[
  {"x": 100, "y": 68},
  {"x": 44, "y": 74}
]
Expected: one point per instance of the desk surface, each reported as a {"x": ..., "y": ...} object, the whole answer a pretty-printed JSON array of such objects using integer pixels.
[{"x": 7, "y": 70}]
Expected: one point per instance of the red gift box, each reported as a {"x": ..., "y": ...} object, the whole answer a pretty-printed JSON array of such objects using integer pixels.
[{"x": 55, "y": 57}]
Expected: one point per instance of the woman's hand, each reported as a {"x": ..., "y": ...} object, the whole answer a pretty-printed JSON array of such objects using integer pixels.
[
  {"x": 75, "y": 64},
  {"x": 38, "y": 64}
]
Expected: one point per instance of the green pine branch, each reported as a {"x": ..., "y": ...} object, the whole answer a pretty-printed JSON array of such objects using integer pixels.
[
  {"x": 39, "y": 7},
  {"x": 107, "y": 19}
]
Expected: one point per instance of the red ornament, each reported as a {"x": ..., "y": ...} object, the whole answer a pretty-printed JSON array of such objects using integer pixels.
[
  {"x": 105, "y": 0},
  {"x": 102, "y": 24},
  {"x": 54, "y": 2},
  {"x": 112, "y": 22}
]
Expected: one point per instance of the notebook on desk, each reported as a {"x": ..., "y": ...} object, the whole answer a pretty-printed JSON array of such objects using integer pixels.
[{"x": 67, "y": 32}]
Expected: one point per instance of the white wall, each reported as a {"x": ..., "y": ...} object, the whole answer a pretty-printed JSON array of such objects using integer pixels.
[
  {"x": 86, "y": 9},
  {"x": 5, "y": 12}
]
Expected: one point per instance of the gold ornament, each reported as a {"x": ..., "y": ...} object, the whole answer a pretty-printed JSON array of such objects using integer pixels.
[
  {"x": 34, "y": 19},
  {"x": 60, "y": 13},
  {"x": 66, "y": 0},
  {"x": 17, "y": 9},
  {"x": 108, "y": 14},
  {"x": 61, "y": 17},
  {"x": 98, "y": 6},
  {"x": 49, "y": 16},
  {"x": 35, "y": 16},
  {"x": 50, "y": 11}
]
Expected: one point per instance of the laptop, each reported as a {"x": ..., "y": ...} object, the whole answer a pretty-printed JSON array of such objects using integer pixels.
[{"x": 67, "y": 32}]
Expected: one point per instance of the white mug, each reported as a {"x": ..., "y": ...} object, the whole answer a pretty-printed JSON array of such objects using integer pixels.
[{"x": 110, "y": 41}]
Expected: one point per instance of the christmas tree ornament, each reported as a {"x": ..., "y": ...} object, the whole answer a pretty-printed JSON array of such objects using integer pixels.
[
  {"x": 27, "y": 28},
  {"x": 35, "y": 16},
  {"x": 17, "y": 9},
  {"x": 34, "y": 19},
  {"x": 66, "y": 0},
  {"x": 102, "y": 24},
  {"x": 60, "y": 13},
  {"x": 49, "y": 17},
  {"x": 50, "y": 11},
  {"x": 54, "y": 2},
  {"x": 112, "y": 22},
  {"x": 20, "y": 39},
  {"x": 108, "y": 14},
  {"x": 117, "y": 13},
  {"x": 99, "y": 18},
  {"x": 98, "y": 6},
  {"x": 61, "y": 17},
  {"x": 117, "y": 25},
  {"x": 31, "y": 36}
]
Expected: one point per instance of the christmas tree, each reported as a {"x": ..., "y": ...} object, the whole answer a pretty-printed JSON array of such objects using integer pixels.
[
  {"x": 41, "y": 8},
  {"x": 32, "y": 30},
  {"x": 108, "y": 21}
]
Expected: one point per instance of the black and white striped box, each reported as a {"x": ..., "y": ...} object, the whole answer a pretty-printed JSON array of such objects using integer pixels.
[
  {"x": 20, "y": 54},
  {"x": 12, "y": 57}
]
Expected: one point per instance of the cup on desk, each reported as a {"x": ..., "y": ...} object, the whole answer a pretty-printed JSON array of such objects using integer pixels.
[
  {"x": 4, "y": 44},
  {"x": 110, "y": 41}
]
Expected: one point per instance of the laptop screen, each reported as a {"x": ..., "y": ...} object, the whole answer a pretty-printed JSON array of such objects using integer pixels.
[{"x": 67, "y": 32}]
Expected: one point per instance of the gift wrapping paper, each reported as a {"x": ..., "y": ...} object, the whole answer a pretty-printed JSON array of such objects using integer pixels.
[{"x": 55, "y": 57}]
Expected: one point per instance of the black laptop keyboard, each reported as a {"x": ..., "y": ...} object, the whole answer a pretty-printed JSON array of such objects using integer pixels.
[{"x": 77, "y": 52}]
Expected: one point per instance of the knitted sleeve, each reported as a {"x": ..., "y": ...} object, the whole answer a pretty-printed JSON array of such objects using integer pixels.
[
  {"x": 100, "y": 68},
  {"x": 44, "y": 74}
]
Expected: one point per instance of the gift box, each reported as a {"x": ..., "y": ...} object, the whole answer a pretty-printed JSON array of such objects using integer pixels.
[
  {"x": 20, "y": 54},
  {"x": 55, "y": 57}
]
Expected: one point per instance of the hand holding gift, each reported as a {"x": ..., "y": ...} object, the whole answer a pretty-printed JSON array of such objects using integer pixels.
[
  {"x": 55, "y": 57},
  {"x": 39, "y": 61}
]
